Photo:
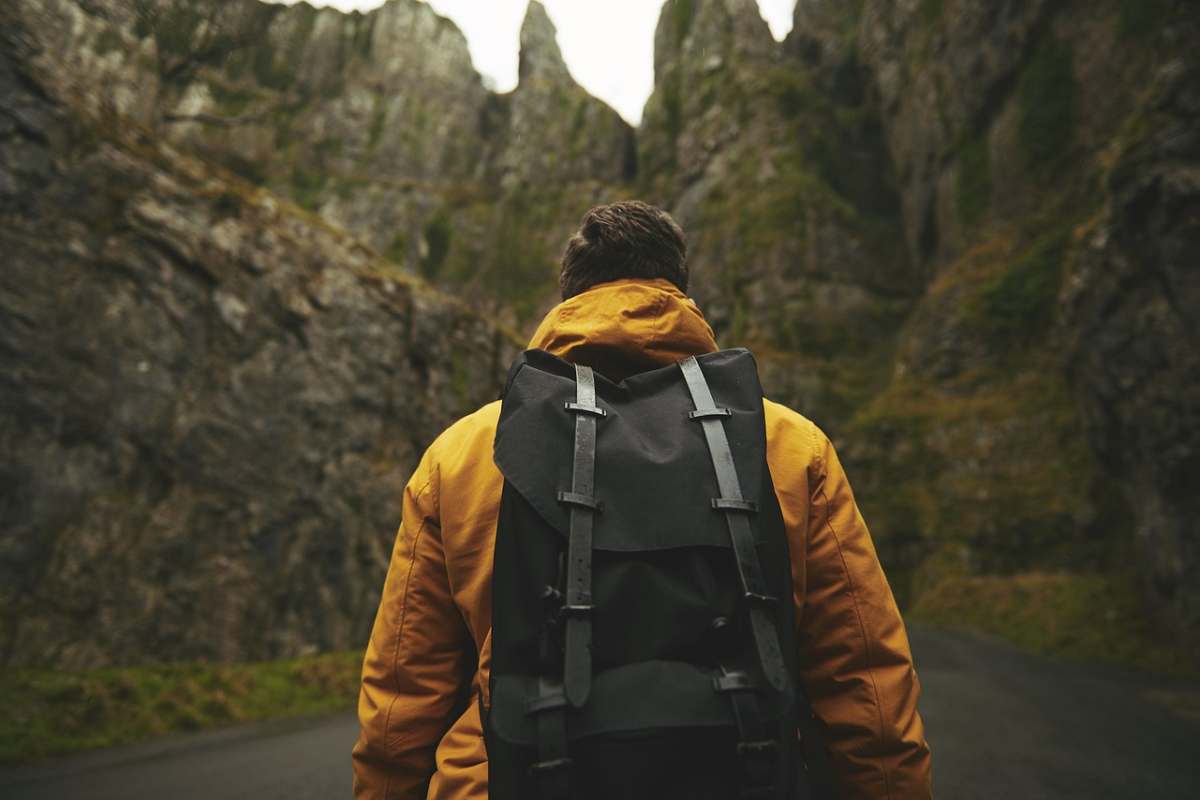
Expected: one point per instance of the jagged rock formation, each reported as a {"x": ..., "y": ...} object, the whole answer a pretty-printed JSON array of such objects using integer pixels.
[
  {"x": 212, "y": 400},
  {"x": 959, "y": 234},
  {"x": 783, "y": 183},
  {"x": 1046, "y": 158}
]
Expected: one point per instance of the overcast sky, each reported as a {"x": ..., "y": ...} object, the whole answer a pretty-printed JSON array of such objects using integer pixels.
[{"x": 608, "y": 46}]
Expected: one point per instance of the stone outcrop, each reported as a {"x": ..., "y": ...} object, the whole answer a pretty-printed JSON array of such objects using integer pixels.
[{"x": 212, "y": 399}]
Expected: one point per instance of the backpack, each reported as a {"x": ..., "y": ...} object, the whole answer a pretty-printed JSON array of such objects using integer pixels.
[{"x": 642, "y": 628}]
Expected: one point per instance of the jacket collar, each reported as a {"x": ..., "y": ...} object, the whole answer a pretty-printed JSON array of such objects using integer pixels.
[{"x": 625, "y": 327}]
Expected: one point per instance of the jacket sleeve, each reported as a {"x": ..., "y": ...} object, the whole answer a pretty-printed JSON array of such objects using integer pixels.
[
  {"x": 854, "y": 654},
  {"x": 415, "y": 673}
]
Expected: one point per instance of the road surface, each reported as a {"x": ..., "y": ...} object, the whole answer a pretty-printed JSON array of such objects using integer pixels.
[{"x": 1003, "y": 725}]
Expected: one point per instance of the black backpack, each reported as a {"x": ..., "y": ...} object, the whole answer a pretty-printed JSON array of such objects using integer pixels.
[{"x": 642, "y": 634}]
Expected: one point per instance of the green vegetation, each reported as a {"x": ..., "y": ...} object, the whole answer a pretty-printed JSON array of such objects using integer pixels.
[
  {"x": 397, "y": 249},
  {"x": 1093, "y": 617},
  {"x": 173, "y": 28},
  {"x": 974, "y": 180},
  {"x": 307, "y": 187},
  {"x": 437, "y": 238},
  {"x": 683, "y": 13},
  {"x": 1018, "y": 304},
  {"x": 931, "y": 10},
  {"x": 673, "y": 104},
  {"x": 47, "y": 713},
  {"x": 108, "y": 41},
  {"x": 231, "y": 102},
  {"x": 268, "y": 70},
  {"x": 1142, "y": 18},
  {"x": 378, "y": 120},
  {"x": 1048, "y": 94},
  {"x": 987, "y": 471}
]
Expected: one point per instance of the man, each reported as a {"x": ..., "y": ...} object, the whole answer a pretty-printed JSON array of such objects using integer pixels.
[{"x": 425, "y": 677}]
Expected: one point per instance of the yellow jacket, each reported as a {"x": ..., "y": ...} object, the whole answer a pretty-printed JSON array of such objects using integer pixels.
[{"x": 422, "y": 680}]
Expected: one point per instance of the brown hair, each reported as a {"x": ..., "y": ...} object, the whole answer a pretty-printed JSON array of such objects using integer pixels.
[{"x": 629, "y": 239}]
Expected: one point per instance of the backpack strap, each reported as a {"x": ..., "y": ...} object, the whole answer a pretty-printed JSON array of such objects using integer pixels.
[
  {"x": 577, "y": 606},
  {"x": 736, "y": 509},
  {"x": 757, "y": 747},
  {"x": 552, "y": 769}
]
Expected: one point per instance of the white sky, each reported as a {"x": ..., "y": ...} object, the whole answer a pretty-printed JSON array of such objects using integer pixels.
[{"x": 609, "y": 46}]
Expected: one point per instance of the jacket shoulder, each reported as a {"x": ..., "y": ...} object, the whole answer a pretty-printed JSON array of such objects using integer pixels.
[
  {"x": 467, "y": 437},
  {"x": 791, "y": 436}
]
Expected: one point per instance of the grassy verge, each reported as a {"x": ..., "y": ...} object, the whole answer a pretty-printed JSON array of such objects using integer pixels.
[
  {"x": 49, "y": 713},
  {"x": 1094, "y": 618}
]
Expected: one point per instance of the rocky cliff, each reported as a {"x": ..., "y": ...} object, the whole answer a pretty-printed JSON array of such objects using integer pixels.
[
  {"x": 212, "y": 398},
  {"x": 961, "y": 235}
]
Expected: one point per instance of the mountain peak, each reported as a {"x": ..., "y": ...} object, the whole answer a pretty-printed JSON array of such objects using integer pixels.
[{"x": 540, "y": 56}]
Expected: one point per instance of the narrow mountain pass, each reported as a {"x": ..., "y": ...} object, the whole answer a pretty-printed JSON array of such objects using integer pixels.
[{"x": 1002, "y": 724}]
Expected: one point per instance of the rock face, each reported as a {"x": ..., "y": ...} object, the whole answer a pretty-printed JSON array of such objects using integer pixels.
[
  {"x": 212, "y": 399},
  {"x": 960, "y": 235},
  {"x": 1042, "y": 412},
  {"x": 1134, "y": 348}
]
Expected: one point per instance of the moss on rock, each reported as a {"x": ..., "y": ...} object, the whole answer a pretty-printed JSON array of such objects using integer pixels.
[
  {"x": 974, "y": 180},
  {"x": 1048, "y": 96}
]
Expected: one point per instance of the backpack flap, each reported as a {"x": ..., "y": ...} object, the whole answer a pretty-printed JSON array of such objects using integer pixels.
[{"x": 647, "y": 456}]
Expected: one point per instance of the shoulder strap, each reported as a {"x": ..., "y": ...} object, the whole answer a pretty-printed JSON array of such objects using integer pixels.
[
  {"x": 577, "y": 606},
  {"x": 736, "y": 509}
]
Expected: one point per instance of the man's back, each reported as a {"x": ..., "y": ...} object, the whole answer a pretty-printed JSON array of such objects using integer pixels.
[{"x": 426, "y": 670}]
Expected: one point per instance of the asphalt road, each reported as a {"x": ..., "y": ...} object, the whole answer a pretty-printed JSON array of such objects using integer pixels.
[{"x": 1002, "y": 724}]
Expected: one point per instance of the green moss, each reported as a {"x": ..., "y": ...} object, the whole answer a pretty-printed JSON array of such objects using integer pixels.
[
  {"x": 1018, "y": 304},
  {"x": 174, "y": 30},
  {"x": 47, "y": 712},
  {"x": 1093, "y": 617},
  {"x": 438, "y": 232},
  {"x": 268, "y": 70},
  {"x": 1047, "y": 95},
  {"x": 307, "y": 187},
  {"x": 231, "y": 102},
  {"x": 683, "y": 12},
  {"x": 931, "y": 10},
  {"x": 397, "y": 249},
  {"x": 378, "y": 120},
  {"x": 108, "y": 41},
  {"x": 794, "y": 93},
  {"x": 673, "y": 104},
  {"x": 974, "y": 180},
  {"x": 305, "y": 23},
  {"x": 1142, "y": 18}
]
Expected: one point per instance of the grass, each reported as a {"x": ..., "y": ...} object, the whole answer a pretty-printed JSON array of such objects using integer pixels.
[
  {"x": 1048, "y": 95},
  {"x": 974, "y": 180},
  {"x": 1018, "y": 304},
  {"x": 50, "y": 713},
  {"x": 1083, "y": 617}
]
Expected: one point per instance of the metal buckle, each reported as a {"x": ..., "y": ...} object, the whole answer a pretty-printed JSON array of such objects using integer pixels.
[
  {"x": 756, "y": 598},
  {"x": 755, "y": 748},
  {"x": 706, "y": 413},
  {"x": 550, "y": 766},
  {"x": 734, "y": 504},
  {"x": 576, "y": 610},
  {"x": 581, "y": 500},
  {"x": 580, "y": 408}
]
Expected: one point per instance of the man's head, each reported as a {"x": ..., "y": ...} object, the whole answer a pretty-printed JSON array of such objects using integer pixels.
[{"x": 630, "y": 239}]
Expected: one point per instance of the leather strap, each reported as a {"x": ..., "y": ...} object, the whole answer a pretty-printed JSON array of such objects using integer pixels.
[
  {"x": 736, "y": 508},
  {"x": 577, "y": 666},
  {"x": 553, "y": 767},
  {"x": 757, "y": 746}
]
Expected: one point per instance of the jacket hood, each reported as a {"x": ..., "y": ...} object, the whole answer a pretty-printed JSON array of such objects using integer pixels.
[{"x": 625, "y": 327}]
